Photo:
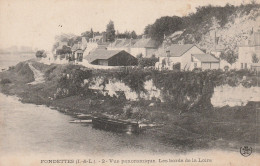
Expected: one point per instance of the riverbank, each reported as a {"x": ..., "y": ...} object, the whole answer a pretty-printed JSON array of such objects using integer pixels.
[{"x": 200, "y": 127}]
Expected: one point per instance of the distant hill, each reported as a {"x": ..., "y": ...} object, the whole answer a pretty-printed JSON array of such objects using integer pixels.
[
  {"x": 228, "y": 26},
  {"x": 16, "y": 49}
]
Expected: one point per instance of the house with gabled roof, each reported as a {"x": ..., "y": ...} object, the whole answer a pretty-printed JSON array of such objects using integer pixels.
[
  {"x": 145, "y": 46},
  {"x": 187, "y": 57},
  {"x": 77, "y": 52},
  {"x": 111, "y": 58},
  {"x": 249, "y": 53}
]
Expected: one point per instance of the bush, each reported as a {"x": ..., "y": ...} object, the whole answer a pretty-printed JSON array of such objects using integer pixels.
[
  {"x": 64, "y": 50},
  {"x": 40, "y": 54},
  {"x": 5, "y": 81},
  {"x": 147, "y": 62},
  {"x": 74, "y": 84}
]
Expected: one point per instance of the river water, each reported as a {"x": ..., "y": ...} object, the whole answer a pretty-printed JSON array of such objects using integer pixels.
[
  {"x": 7, "y": 60},
  {"x": 28, "y": 128},
  {"x": 30, "y": 133}
]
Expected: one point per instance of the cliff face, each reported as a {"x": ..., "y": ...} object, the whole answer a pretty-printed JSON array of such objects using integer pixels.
[
  {"x": 181, "y": 90},
  {"x": 211, "y": 29}
]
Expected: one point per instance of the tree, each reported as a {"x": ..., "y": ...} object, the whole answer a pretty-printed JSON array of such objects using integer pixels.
[
  {"x": 147, "y": 29},
  {"x": 74, "y": 40},
  {"x": 110, "y": 31},
  {"x": 64, "y": 50},
  {"x": 88, "y": 34},
  {"x": 91, "y": 33},
  {"x": 255, "y": 59},
  {"x": 40, "y": 54},
  {"x": 147, "y": 62},
  {"x": 133, "y": 35},
  {"x": 229, "y": 56},
  {"x": 164, "y": 26},
  {"x": 56, "y": 45}
]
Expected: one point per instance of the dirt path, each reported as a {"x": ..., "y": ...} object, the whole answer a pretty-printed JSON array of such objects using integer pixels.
[{"x": 38, "y": 76}]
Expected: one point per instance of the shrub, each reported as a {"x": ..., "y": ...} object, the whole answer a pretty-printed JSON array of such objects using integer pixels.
[
  {"x": 147, "y": 62},
  {"x": 226, "y": 68},
  {"x": 40, "y": 54},
  {"x": 75, "y": 82},
  {"x": 64, "y": 50},
  {"x": 5, "y": 81}
]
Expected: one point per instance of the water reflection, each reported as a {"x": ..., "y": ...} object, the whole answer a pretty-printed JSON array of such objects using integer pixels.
[{"x": 28, "y": 128}]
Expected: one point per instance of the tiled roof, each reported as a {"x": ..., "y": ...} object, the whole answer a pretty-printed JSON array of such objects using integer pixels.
[
  {"x": 102, "y": 46},
  {"x": 76, "y": 47},
  {"x": 177, "y": 50},
  {"x": 205, "y": 58},
  {"x": 146, "y": 43},
  {"x": 101, "y": 54},
  {"x": 119, "y": 43}
]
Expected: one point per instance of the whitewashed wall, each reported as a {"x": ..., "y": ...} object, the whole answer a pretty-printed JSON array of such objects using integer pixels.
[{"x": 234, "y": 96}]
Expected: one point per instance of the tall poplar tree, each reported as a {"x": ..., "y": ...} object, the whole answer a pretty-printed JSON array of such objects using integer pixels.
[{"x": 111, "y": 31}]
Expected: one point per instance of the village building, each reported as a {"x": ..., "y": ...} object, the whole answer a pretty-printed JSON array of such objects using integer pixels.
[
  {"x": 58, "y": 52},
  {"x": 96, "y": 42},
  {"x": 98, "y": 38},
  {"x": 60, "y": 46},
  {"x": 111, "y": 58},
  {"x": 84, "y": 43},
  {"x": 145, "y": 47},
  {"x": 186, "y": 57},
  {"x": 249, "y": 53},
  {"x": 205, "y": 61},
  {"x": 77, "y": 53},
  {"x": 122, "y": 44}
]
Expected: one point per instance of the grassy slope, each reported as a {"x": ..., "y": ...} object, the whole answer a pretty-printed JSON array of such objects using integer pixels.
[{"x": 218, "y": 127}]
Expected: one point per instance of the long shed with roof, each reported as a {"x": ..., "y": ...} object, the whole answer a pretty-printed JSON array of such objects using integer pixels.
[{"x": 111, "y": 58}]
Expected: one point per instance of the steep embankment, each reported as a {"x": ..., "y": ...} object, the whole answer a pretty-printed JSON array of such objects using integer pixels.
[
  {"x": 38, "y": 76},
  {"x": 182, "y": 90},
  {"x": 227, "y": 27},
  {"x": 179, "y": 100}
]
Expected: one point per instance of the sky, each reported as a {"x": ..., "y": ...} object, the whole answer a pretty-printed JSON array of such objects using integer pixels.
[{"x": 36, "y": 22}]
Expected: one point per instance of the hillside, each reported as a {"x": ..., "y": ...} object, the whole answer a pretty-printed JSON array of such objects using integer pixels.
[
  {"x": 183, "y": 105},
  {"x": 228, "y": 26}
]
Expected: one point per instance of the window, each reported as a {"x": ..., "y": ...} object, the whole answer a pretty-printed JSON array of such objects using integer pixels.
[
  {"x": 241, "y": 65},
  {"x": 245, "y": 65}
]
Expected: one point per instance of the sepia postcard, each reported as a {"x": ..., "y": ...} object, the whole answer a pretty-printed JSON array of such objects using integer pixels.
[{"x": 129, "y": 82}]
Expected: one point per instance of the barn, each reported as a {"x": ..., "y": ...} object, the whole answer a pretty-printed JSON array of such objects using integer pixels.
[{"x": 111, "y": 58}]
